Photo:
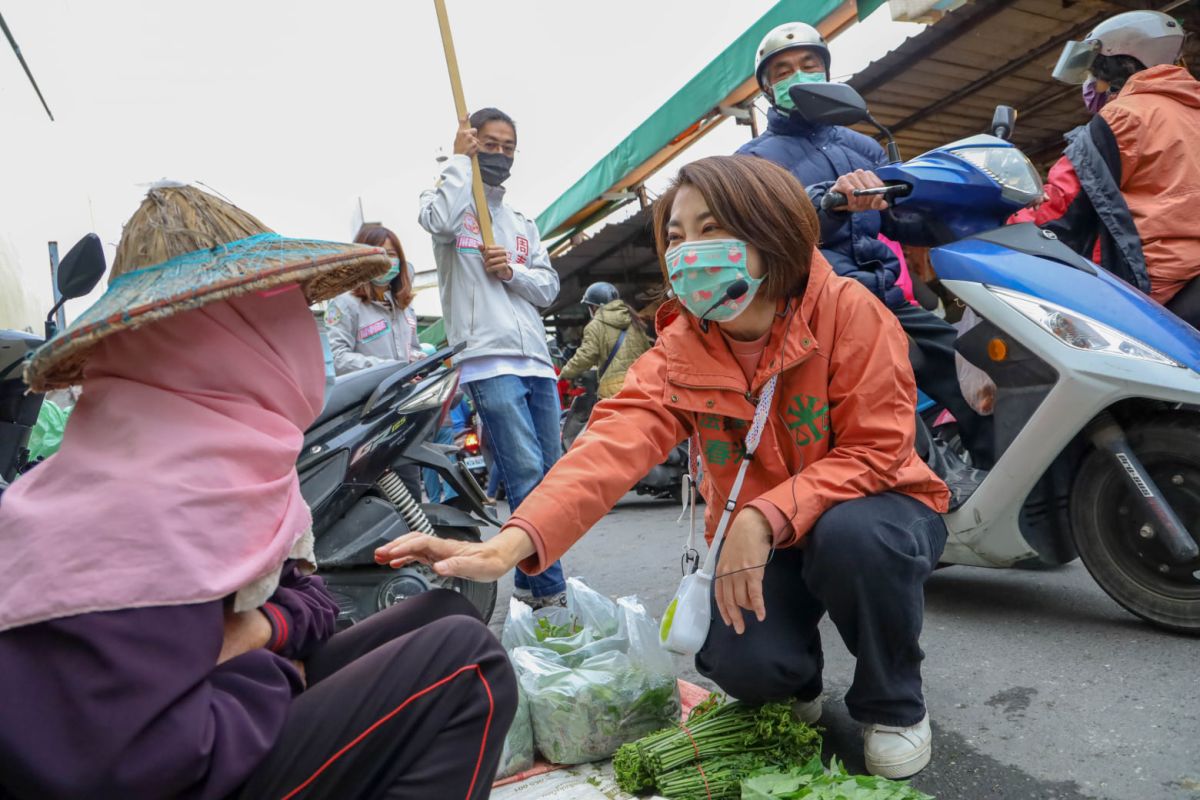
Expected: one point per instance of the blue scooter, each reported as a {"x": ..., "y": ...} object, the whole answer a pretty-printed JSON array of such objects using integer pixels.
[{"x": 1097, "y": 406}]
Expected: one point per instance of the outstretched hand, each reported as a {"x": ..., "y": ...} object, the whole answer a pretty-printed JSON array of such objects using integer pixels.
[{"x": 478, "y": 561}]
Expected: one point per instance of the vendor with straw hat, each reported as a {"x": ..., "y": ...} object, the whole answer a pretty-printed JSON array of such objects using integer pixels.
[{"x": 158, "y": 619}]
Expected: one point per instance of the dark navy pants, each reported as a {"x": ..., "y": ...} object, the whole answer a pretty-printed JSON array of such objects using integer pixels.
[{"x": 865, "y": 563}]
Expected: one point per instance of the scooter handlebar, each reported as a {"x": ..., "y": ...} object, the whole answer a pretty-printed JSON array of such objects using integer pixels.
[{"x": 833, "y": 200}]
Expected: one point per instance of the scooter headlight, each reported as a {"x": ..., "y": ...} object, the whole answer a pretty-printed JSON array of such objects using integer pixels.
[
  {"x": 1075, "y": 330},
  {"x": 435, "y": 393},
  {"x": 1019, "y": 180}
]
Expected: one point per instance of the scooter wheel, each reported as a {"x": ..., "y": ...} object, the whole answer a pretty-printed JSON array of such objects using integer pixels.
[{"x": 1111, "y": 532}]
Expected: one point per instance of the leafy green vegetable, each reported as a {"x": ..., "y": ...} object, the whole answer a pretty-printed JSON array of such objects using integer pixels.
[
  {"x": 728, "y": 741},
  {"x": 814, "y": 782},
  {"x": 546, "y": 629},
  {"x": 517, "y": 755}
]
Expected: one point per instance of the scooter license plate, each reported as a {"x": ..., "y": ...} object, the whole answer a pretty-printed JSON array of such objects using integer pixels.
[{"x": 474, "y": 462}]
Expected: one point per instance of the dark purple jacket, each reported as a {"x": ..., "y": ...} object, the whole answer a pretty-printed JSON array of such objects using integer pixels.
[{"x": 131, "y": 704}]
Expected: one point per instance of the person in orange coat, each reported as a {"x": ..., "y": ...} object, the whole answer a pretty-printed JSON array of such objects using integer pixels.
[
  {"x": 837, "y": 512},
  {"x": 1127, "y": 191}
]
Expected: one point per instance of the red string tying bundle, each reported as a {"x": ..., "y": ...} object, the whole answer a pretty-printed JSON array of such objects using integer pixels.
[{"x": 699, "y": 766}]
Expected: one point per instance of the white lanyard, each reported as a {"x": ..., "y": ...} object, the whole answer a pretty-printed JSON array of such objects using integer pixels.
[{"x": 691, "y": 555}]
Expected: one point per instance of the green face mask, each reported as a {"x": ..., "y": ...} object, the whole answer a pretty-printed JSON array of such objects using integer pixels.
[
  {"x": 782, "y": 98},
  {"x": 386, "y": 278}
]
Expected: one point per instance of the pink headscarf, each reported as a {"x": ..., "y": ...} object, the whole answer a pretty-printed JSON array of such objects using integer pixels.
[{"x": 176, "y": 481}]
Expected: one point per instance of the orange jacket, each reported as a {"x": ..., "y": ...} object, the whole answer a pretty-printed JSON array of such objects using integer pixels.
[
  {"x": 841, "y": 426},
  {"x": 1156, "y": 121}
]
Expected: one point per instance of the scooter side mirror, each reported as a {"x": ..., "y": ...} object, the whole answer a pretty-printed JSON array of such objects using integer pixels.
[
  {"x": 81, "y": 268},
  {"x": 829, "y": 104},
  {"x": 1003, "y": 122},
  {"x": 837, "y": 104}
]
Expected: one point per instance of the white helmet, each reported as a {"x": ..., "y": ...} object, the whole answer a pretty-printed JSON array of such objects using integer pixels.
[
  {"x": 1151, "y": 37},
  {"x": 789, "y": 36}
]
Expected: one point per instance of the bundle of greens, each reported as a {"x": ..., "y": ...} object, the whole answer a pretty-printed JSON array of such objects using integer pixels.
[
  {"x": 720, "y": 745},
  {"x": 813, "y": 782}
]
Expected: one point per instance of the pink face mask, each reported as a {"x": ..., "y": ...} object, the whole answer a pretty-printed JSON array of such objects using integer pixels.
[{"x": 1094, "y": 100}]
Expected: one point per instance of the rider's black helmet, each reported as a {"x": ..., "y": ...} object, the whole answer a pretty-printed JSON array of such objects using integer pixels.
[{"x": 600, "y": 293}]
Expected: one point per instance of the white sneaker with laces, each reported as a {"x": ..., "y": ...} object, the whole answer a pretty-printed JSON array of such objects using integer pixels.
[
  {"x": 809, "y": 711},
  {"x": 898, "y": 752}
]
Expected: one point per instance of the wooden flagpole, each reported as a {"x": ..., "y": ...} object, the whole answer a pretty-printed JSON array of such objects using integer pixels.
[{"x": 460, "y": 107}]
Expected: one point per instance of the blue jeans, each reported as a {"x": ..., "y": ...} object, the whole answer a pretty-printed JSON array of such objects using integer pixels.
[
  {"x": 520, "y": 418},
  {"x": 438, "y": 490}
]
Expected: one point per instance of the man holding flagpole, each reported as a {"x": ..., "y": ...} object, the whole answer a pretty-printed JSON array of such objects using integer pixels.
[{"x": 491, "y": 295}]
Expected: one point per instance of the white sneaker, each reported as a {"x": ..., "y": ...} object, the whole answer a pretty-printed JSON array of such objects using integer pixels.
[
  {"x": 894, "y": 752},
  {"x": 809, "y": 711}
]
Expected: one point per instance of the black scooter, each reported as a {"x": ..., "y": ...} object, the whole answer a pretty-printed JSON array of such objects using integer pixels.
[
  {"x": 78, "y": 273},
  {"x": 375, "y": 421}
]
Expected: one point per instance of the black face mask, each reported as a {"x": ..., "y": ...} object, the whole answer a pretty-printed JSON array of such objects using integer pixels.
[{"x": 494, "y": 168}]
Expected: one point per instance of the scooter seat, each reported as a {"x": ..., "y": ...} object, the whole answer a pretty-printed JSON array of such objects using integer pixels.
[{"x": 353, "y": 389}]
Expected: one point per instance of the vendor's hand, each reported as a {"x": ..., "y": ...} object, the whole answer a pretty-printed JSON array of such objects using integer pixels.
[
  {"x": 860, "y": 179},
  {"x": 465, "y": 143},
  {"x": 740, "y": 569},
  {"x": 244, "y": 631},
  {"x": 486, "y": 561},
  {"x": 495, "y": 261}
]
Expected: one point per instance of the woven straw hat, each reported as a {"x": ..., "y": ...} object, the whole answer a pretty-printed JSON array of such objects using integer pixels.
[{"x": 183, "y": 249}]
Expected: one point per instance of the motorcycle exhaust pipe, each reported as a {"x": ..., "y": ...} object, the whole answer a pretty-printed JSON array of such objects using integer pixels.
[{"x": 1106, "y": 434}]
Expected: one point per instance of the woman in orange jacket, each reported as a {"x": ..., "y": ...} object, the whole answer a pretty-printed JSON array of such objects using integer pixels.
[{"x": 836, "y": 511}]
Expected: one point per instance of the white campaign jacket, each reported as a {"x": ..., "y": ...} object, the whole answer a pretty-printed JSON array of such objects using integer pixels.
[
  {"x": 494, "y": 317},
  {"x": 362, "y": 334}
]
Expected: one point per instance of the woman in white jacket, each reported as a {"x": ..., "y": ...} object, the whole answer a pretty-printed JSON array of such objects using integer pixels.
[{"x": 375, "y": 323}]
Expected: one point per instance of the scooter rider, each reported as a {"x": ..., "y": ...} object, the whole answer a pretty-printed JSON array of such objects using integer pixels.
[
  {"x": 1124, "y": 192},
  {"x": 612, "y": 340},
  {"x": 833, "y": 158}
]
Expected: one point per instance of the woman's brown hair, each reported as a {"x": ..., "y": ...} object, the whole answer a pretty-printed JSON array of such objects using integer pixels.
[
  {"x": 402, "y": 290},
  {"x": 760, "y": 203}
]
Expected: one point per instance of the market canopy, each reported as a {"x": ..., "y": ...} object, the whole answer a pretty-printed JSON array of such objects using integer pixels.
[
  {"x": 721, "y": 89},
  {"x": 938, "y": 86}
]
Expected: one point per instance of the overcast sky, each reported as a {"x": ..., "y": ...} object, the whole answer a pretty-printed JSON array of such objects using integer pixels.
[{"x": 295, "y": 110}]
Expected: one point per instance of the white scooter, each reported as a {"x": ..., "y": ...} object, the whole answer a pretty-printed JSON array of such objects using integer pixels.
[{"x": 1097, "y": 407}]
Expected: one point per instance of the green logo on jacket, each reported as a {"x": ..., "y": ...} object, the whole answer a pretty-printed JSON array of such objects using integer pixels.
[{"x": 808, "y": 419}]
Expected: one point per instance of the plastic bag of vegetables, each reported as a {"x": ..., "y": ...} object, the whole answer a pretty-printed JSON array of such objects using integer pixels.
[
  {"x": 517, "y": 755},
  {"x": 613, "y": 689},
  {"x": 588, "y": 616}
]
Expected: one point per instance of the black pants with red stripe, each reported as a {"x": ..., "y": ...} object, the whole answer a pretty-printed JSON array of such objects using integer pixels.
[{"x": 413, "y": 704}]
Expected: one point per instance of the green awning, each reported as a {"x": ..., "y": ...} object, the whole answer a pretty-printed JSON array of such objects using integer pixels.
[
  {"x": 434, "y": 333},
  {"x": 867, "y": 7},
  {"x": 689, "y": 106}
]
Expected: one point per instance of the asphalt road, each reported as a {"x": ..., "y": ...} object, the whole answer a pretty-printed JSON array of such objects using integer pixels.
[{"x": 1038, "y": 685}]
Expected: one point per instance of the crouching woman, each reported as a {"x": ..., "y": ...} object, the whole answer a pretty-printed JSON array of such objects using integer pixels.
[{"x": 835, "y": 513}]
